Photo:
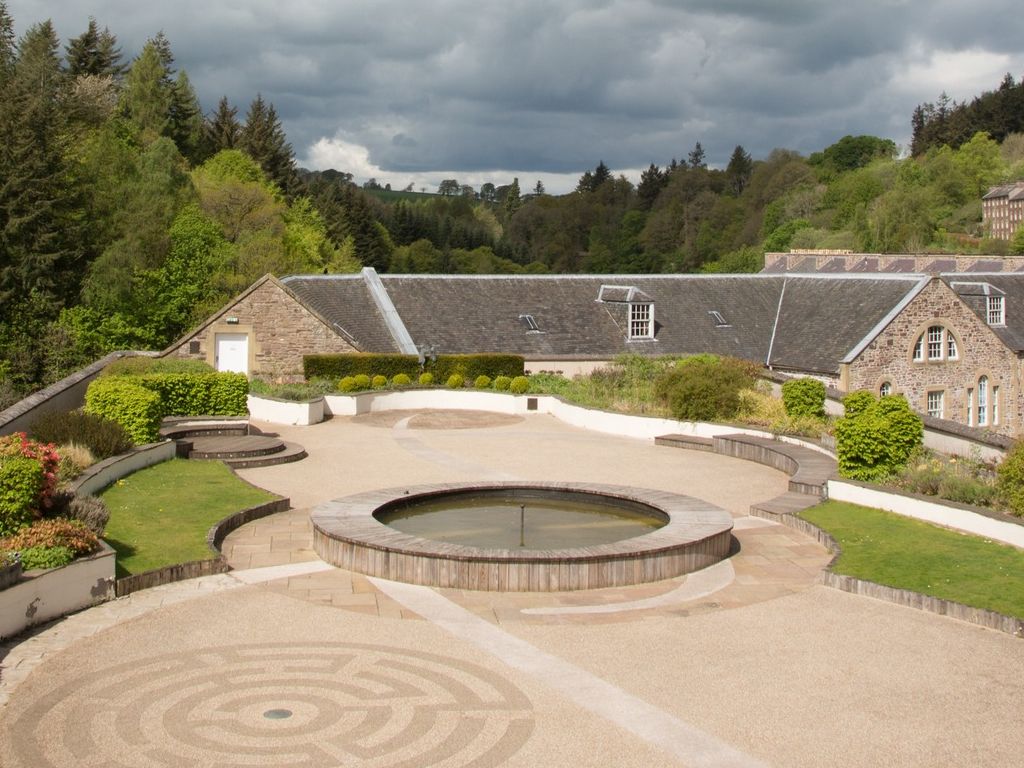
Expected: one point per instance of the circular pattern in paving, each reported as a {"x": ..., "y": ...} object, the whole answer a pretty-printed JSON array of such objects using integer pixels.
[{"x": 325, "y": 704}]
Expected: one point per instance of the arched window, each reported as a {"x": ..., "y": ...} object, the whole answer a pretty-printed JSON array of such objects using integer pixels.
[
  {"x": 983, "y": 401},
  {"x": 937, "y": 343},
  {"x": 885, "y": 389}
]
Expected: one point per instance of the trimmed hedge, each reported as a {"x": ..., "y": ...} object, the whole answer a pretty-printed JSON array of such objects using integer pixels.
[
  {"x": 199, "y": 394},
  {"x": 133, "y": 406},
  {"x": 339, "y": 366},
  {"x": 139, "y": 366}
]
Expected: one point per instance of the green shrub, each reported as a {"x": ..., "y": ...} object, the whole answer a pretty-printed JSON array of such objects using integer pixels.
[
  {"x": 705, "y": 387},
  {"x": 379, "y": 382},
  {"x": 131, "y": 405},
  {"x": 91, "y": 511},
  {"x": 199, "y": 394},
  {"x": 879, "y": 439},
  {"x": 21, "y": 482},
  {"x": 482, "y": 382},
  {"x": 348, "y": 384},
  {"x": 455, "y": 381},
  {"x": 104, "y": 438},
  {"x": 471, "y": 366},
  {"x": 57, "y": 532},
  {"x": 519, "y": 385},
  {"x": 426, "y": 379},
  {"x": 1010, "y": 479},
  {"x": 140, "y": 366},
  {"x": 45, "y": 557},
  {"x": 401, "y": 380},
  {"x": 296, "y": 392},
  {"x": 337, "y": 366},
  {"x": 804, "y": 397},
  {"x": 501, "y": 383},
  {"x": 362, "y": 381},
  {"x": 857, "y": 402}
]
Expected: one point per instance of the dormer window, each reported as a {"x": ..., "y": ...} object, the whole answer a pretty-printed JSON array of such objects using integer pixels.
[
  {"x": 995, "y": 314},
  {"x": 641, "y": 321}
]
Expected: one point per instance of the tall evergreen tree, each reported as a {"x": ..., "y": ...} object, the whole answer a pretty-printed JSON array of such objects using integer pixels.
[
  {"x": 147, "y": 95},
  {"x": 696, "y": 158},
  {"x": 185, "y": 118},
  {"x": 737, "y": 173},
  {"x": 601, "y": 174},
  {"x": 8, "y": 49},
  {"x": 94, "y": 53},
  {"x": 223, "y": 130},
  {"x": 264, "y": 140},
  {"x": 652, "y": 181},
  {"x": 39, "y": 248},
  {"x": 512, "y": 198}
]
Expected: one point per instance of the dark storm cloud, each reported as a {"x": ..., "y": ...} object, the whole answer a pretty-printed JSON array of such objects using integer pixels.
[{"x": 537, "y": 87}]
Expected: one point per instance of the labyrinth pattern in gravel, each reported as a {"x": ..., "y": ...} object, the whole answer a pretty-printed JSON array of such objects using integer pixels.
[{"x": 334, "y": 704}]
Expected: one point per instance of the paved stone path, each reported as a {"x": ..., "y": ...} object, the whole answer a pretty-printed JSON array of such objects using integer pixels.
[{"x": 288, "y": 662}]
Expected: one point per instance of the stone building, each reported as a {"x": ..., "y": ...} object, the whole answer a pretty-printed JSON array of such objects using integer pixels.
[
  {"x": 1002, "y": 210},
  {"x": 952, "y": 343}
]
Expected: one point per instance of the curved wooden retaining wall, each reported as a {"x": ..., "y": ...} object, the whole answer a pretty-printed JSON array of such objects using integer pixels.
[{"x": 346, "y": 534}]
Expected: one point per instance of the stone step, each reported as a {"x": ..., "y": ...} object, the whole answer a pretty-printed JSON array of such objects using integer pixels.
[
  {"x": 180, "y": 428},
  {"x": 234, "y": 446},
  {"x": 789, "y": 503},
  {"x": 690, "y": 442},
  {"x": 289, "y": 452}
]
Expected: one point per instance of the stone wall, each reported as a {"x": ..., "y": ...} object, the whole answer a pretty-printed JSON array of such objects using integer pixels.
[
  {"x": 980, "y": 353},
  {"x": 280, "y": 330}
]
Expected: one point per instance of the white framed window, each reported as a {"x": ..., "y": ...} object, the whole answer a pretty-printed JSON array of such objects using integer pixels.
[
  {"x": 983, "y": 401},
  {"x": 939, "y": 344},
  {"x": 996, "y": 314},
  {"x": 885, "y": 389},
  {"x": 936, "y": 404},
  {"x": 641, "y": 321},
  {"x": 935, "y": 337},
  {"x": 970, "y": 406},
  {"x": 995, "y": 405}
]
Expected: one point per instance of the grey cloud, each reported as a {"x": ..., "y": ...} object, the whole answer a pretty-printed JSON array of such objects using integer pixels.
[{"x": 536, "y": 86}]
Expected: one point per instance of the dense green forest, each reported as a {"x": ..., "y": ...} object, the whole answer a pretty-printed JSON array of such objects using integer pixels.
[{"x": 127, "y": 214}]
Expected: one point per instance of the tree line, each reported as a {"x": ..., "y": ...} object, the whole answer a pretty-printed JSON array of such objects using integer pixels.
[{"x": 127, "y": 214}]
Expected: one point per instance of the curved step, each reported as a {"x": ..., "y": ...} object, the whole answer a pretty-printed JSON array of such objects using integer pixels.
[
  {"x": 234, "y": 446},
  {"x": 289, "y": 452}
]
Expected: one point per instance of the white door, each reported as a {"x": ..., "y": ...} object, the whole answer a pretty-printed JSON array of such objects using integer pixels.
[{"x": 233, "y": 352}]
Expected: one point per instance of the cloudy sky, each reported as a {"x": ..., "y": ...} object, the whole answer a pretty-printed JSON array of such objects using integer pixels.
[{"x": 415, "y": 92}]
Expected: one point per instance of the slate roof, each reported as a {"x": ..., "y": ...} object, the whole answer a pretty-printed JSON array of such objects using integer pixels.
[
  {"x": 971, "y": 288},
  {"x": 345, "y": 301},
  {"x": 1014, "y": 191},
  {"x": 820, "y": 319}
]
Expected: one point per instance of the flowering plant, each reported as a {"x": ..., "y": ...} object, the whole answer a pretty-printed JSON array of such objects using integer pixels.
[{"x": 19, "y": 444}]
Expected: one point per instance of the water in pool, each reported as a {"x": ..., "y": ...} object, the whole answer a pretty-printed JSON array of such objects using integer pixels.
[{"x": 503, "y": 522}]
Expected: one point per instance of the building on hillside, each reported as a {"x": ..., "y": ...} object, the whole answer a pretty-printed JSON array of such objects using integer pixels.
[
  {"x": 953, "y": 344},
  {"x": 1002, "y": 210}
]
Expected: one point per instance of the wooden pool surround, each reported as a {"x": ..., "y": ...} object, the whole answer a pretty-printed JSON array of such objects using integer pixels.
[{"x": 346, "y": 534}]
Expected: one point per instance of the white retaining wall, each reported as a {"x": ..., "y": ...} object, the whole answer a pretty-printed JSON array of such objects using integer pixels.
[
  {"x": 286, "y": 411},
  {"x": 45, "y": 595},
  {"x": 949, "y": 517},
  {"x": 99, "y": 476}
]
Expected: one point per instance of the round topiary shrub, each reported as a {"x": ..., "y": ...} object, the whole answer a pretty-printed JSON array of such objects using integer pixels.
[
  {"x": 347, "y": 384},
  {"x": 520, "y": 385},
  {"x": 455, "y": 381},
  {"x": 362, "y": 381},
  {"x": 379, "y": 382},
  {"x": 501, "y": 383},
  {"x": 705, "y": 387},
  {"x": 482, "y": 382},
  {"x": 804, "y": 397},
  {"x": 401, "y": 380},
  {"x": 426, "y": 379}
]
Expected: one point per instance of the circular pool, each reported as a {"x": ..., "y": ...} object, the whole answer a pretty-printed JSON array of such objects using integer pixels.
[{"x": 516, "y": 537}]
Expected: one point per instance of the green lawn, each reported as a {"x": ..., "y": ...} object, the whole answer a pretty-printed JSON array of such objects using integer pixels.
[
  {"x": 900, "y": 552},
  {"x": 161, "y": 515}
]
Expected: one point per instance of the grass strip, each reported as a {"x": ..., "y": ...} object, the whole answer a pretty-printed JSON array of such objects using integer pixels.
[
  {"x": 160, "y": 515},
  {"x": 909, "y": 554}
]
